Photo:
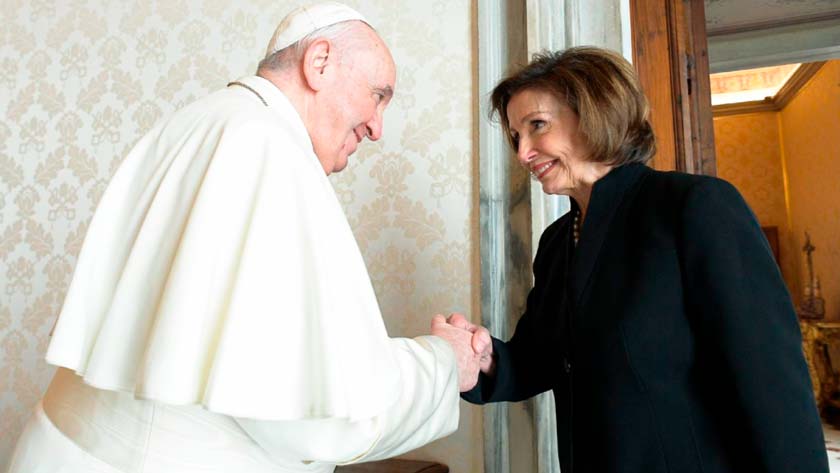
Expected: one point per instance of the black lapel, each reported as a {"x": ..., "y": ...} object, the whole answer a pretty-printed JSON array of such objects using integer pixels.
[{"x": 608, "y": 194}]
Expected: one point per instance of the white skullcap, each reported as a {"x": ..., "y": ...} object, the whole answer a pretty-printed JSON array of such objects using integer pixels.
[{"x": 306, "y": 19}]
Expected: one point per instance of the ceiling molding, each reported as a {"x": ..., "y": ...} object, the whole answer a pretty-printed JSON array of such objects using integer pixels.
[
  {"x": 803, "y": 74},
  {"x": 768, "y": 24},
  {"x": 766, "y": 105},
  {"x": 776, "y": 103},
  {"x": 802, "y": 56}
]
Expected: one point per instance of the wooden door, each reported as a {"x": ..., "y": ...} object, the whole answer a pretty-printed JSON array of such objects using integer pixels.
[{"x": 670, "y": 55}]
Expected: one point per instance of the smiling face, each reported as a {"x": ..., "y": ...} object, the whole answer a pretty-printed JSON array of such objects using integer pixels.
[
  {"x": 352, "y": 106},
  {"x": 544, "y": 132}
]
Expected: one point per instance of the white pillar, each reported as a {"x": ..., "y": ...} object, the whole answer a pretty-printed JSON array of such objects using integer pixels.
[{"x": 554, "y": 25}]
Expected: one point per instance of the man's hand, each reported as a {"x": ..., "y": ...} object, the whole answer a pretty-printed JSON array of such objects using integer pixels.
[
  {"x": 461, "y": 341},
  {"x": 482, "y": 343}
]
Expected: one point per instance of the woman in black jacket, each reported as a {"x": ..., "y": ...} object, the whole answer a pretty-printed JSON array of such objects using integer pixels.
[{"x": 658, "y": 316}]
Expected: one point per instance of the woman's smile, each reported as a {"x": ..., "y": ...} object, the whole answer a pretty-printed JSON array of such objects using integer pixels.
[{"x": 541, "y": 170}]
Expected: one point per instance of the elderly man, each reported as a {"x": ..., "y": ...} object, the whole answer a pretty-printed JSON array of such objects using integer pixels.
[{"x": 220, "y": 317}]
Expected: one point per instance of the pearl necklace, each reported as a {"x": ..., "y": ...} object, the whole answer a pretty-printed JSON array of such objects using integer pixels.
[{"x": 576, "y": 227}]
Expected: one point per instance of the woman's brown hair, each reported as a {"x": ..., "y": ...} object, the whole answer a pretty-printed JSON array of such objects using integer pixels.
[{"x": 601, "y": 87}]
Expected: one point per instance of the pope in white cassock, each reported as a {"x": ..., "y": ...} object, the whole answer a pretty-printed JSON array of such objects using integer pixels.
[{"x": 220, "y": 317}]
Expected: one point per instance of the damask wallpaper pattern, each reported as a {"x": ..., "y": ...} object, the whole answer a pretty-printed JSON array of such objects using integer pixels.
[
  {"x": 748, "y": 154},
  {"x": 756, "y": 151},
  {"x": 811, "y": 129},
  {"x": 83, "y": 80}
]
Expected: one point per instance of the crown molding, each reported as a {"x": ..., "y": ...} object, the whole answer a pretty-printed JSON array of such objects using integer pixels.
[
  {"x": 797, "y": 81},
  {"x": 766, "y": 105},
  {"x": 768, "y": 24}
]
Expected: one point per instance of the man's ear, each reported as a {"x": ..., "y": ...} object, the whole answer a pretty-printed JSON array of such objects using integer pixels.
[{"x": 318, "y": 64}]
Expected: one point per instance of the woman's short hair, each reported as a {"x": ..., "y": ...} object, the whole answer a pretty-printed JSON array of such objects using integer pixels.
[{"x": 601, "y": 87}]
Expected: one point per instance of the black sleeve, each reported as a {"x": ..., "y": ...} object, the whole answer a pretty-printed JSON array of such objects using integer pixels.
[
  {"x": 747, "y": 330},
  {"x": 518, "y": 372}
]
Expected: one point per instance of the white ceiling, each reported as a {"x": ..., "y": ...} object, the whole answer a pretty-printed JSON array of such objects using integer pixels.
[
  {"x": 724, "y": 16},
  {"x": 743, "y": 34}
]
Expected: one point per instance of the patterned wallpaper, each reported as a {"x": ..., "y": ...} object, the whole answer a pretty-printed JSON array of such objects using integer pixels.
[
  {"x": 81, "y": 81},
  {"x": 811, "y": 138},
  {"x": 749, "y": 156}
]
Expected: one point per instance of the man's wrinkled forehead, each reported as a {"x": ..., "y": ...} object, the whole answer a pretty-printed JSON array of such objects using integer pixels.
[{"x": 374, "y": 60}]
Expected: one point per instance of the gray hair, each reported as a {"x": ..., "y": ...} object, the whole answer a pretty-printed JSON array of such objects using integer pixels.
[{"x": 289, "y": 56}]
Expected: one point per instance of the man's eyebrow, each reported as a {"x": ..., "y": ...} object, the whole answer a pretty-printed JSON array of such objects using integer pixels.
[{"x": 386, "y": 91}]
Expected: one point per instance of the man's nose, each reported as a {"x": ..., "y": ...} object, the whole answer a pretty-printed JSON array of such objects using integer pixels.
[{"x": 373, "y": 127}]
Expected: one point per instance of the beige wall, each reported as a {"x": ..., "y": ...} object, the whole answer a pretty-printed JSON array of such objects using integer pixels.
[
  {"x": 749, "y": 156},
  {"x": 811, "y": 141},
  {"x": 81, "y": 81}
]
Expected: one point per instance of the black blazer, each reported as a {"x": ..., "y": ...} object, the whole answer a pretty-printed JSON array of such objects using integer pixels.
[{"x": 667, "y": 336}]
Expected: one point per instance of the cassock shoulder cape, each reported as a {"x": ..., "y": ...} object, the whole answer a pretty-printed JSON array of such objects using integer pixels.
[{"x": 219, "y": 270}]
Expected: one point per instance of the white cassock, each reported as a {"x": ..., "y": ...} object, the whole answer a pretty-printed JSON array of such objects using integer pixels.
[{"x": 221, "y": 318}]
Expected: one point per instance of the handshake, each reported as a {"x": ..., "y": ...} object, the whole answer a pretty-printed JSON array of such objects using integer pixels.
[{"x": 472, "y": 345}]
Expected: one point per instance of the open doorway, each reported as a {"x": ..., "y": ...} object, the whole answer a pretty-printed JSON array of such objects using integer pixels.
[{"x": 780, "y": 147}]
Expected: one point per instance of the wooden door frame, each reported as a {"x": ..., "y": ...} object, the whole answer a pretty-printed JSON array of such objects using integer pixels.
[{"x": 670, "y": 55}]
